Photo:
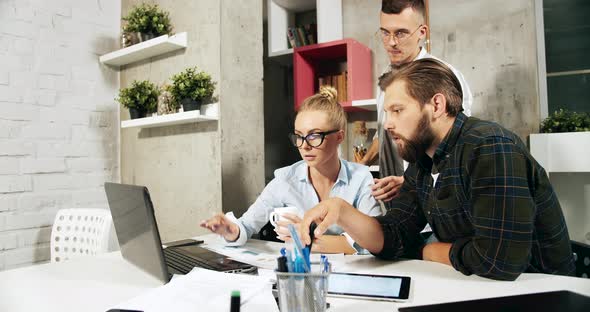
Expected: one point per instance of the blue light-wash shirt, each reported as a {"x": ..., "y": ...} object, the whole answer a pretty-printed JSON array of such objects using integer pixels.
[{"x": 292, "y": 187}]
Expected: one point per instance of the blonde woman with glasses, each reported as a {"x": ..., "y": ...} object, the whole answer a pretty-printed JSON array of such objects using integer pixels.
[{"x": 320, "y": 125}]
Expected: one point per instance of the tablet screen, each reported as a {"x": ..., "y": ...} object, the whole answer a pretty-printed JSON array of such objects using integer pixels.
[{"x": 378, "y": 286}]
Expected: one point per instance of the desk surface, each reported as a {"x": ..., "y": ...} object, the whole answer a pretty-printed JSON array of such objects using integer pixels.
[{"x": 97, "y": 283}]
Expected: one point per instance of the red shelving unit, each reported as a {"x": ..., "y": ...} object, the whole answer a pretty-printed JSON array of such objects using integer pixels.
[{"x": 314, "y": 61}]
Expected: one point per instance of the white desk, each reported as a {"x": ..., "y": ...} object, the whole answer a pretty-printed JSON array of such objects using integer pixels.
[{"x": 97, "y": 283}]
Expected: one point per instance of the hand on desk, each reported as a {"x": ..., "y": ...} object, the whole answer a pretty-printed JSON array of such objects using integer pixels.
[
  {"x": 386, "y": 188},
  {"x": 221, "y": 225}
]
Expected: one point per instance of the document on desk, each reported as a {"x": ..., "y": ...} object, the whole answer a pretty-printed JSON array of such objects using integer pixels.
[
  {"x": 206, "y": 290},
  {"x": 260, "y": 258}
]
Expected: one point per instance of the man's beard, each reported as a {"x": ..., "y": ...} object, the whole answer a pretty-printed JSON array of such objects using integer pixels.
[{"x": 419, "y": 143}]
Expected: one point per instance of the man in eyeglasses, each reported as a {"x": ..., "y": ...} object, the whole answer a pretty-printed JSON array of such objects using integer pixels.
[{"x": 402, "y": 31}]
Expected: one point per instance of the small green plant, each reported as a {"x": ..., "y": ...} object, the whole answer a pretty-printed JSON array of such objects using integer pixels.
[
  {"x": 192, "y": 84},
  {"x": 142, "y": 95},
  {"x": 147, "y": 19},
  {"x": 566, "y": 121}
]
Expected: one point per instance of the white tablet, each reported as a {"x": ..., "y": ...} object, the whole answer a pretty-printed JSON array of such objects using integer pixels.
[{"x": 369, "y": 286}]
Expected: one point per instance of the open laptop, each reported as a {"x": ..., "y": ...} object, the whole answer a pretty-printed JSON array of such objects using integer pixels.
[{"x": 139, "y": 239}]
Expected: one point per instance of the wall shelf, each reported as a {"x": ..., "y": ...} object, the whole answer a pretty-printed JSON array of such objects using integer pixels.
[
  {"x": 144, "y": 50},
  {"x": 167, "y": 120},
  {"x": 369, "y": 104},
  {"x": 561, "y": 152}
]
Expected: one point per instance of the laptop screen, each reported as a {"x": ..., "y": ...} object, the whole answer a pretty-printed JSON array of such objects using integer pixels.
[{"x": 137, "y": 231}]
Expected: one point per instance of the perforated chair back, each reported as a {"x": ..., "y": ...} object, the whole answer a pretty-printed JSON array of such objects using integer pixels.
[{"x": 80, "y": 232}]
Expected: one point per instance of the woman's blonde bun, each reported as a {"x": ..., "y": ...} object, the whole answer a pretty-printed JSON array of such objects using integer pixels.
[{"x": 329, "y": 93}]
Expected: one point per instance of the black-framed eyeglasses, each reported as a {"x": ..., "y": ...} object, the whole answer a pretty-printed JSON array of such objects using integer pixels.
[{"x": 314, "y": 139}]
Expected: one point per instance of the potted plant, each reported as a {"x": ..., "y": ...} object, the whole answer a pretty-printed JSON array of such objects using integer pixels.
[
  {"x": 141, "y": 98},
  {"x": 147, "y": 21},
  {"x": 191, "y": 88},
  {"x": 566, "y": 121}
]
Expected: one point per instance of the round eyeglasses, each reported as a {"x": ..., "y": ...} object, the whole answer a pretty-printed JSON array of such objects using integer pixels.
[
  {"x": 398, "y": 36},
  {"x": 314, "y": 139}
]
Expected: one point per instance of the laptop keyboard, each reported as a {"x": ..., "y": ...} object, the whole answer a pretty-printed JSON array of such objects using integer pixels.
[{"x": 183, "y": 263}]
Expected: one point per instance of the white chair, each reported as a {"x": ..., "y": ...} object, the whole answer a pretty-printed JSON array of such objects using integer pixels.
[{"x": 80, "y": 232}]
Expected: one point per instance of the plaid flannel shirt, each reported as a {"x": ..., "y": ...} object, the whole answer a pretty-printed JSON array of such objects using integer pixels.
[{"x": 492, "y": 201}]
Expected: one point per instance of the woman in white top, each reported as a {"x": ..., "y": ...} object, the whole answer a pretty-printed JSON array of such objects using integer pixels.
[{"x": 319, "y": 129}]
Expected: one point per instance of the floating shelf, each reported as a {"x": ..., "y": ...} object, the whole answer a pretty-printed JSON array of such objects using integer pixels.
[
  {"x": 167, "y": 120},
  {"x": 561, "y": 152},
  {"x": 144, "y": 50},
  {"x": 288, "y": 52},
  {"x": 369, "y": 104}
]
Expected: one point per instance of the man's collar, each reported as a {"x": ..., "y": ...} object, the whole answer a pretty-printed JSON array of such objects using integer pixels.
[
  {"x": 445, "y": 147},
  {"x": 448, "y": 143},
  {"x": 422, "y": 54}
]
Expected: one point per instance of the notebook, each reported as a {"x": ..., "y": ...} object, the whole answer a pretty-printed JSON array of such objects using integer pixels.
[
  {"x": 562, "y": 300},
  {"x": 139, "y": 239}
]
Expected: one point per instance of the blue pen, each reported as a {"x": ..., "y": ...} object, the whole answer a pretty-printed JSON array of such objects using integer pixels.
[{"x": 298, "y": 245}]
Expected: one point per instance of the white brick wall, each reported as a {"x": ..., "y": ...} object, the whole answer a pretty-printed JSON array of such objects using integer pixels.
[{"x": 59, "y": 124}]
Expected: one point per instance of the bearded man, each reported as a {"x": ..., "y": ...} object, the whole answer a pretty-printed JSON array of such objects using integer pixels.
[{"x": 488, "y": 201}]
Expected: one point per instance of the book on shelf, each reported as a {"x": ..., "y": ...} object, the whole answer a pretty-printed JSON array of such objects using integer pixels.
[
  {"x": 302, "y": 36},
  {"x": 291, "y": 37},
  {"x": 299, "y": 36},
  {"x": 311, "y": 30}
]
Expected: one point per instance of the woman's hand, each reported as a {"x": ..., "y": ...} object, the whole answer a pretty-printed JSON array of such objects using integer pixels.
[
  {"x": 221, "y": 225},
  {"x": 282, "y": 228}
]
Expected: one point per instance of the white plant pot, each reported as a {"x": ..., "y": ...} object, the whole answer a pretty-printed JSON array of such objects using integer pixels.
[
  {"x": 562, "y": 152},
  {"x": 211, "y": 110}
]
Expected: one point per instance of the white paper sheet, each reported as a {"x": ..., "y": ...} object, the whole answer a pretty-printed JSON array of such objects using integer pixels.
[{"x": 206, "y": 290}]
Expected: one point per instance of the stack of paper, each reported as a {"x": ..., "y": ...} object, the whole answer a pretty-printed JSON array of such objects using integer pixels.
[{"x": 206, "y": 290}]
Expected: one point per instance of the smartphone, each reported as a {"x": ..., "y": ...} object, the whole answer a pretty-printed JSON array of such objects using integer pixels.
[
  {"x": 369, "y": 286},
  {"x": 183, "y": 242},
  {"x": 123, "y": 310}
]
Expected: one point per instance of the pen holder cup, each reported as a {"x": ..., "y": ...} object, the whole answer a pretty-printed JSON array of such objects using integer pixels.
[{"x": 304, "y": 292}]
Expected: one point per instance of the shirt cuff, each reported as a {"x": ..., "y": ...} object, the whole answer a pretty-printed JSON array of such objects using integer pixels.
[
  {"x": 242, "y": 238},
  {"x": 456, "y": 255},
  {"x": 387, "y": 252}
]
